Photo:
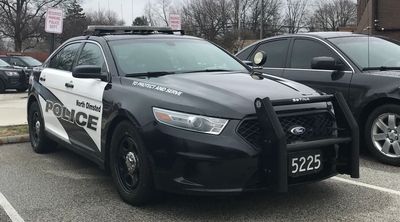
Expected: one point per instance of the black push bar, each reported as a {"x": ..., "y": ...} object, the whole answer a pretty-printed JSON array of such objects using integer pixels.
[{"x": 347, "y": 140}]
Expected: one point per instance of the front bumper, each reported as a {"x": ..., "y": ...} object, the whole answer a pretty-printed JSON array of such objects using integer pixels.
[
  {"x": 188, "y": 162},
  {"x": 17, "y": 82}
]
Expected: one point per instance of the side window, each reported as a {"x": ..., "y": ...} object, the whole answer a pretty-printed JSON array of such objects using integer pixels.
[
  {"x": 92, "y": 55},
  {"x": 276, "y": 53},
  {"x": 244, "y": 55},
  {"x": 16, "y": 62},
  {"x": 305, "y": 50},
  {"x": 65, "y": 58}
]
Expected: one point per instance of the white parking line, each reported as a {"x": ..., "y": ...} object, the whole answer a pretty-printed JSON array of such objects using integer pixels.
[
  {"x": 382, "y": 189},
  {"x": 11, "y": 212}
]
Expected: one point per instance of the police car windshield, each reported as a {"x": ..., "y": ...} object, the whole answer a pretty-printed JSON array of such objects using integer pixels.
[{"x": 139, "y": 56}]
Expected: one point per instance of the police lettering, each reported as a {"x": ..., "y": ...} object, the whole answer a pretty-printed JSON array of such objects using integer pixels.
[{"x": 79, "y": 118}]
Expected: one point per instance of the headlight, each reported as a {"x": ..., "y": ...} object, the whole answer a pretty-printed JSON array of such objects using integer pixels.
[
  {"x": 190, "y": 122},
  {"x": 10, "y": 73}
]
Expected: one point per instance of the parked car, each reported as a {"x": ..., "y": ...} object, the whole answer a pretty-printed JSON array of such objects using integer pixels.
[
  {"x": 12, "y": 78},
  {"x": 26, "y": 63},
  {"x": 176, "y": 113},
  {"x": 364, "y": 68}
]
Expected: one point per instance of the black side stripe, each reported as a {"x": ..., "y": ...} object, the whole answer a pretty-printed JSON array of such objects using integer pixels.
[{"x": 77, "y": 135}]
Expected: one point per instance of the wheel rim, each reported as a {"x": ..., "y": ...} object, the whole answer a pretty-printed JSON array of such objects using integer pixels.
[
  {"x": 385, "y": 134},
  {"x": 35, "y": 128},
  {"x": 127, "y": 164}
]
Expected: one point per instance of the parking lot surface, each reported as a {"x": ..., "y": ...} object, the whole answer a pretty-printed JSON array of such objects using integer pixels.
[
  {"x": 13, "y": 108},
  {"x": 62, "y": 186}
]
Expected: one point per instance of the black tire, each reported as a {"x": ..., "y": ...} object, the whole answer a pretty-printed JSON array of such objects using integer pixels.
[
  {"x": 135, "y": 186},
  {"x": 2, "y": 87},
  {"x": 22, "y": 89},
  {"x": 384, "y": 144},
  {"x": 39, "y": 141}
]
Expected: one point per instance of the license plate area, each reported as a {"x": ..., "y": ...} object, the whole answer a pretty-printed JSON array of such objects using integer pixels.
[{"x": 305, "y": 163}]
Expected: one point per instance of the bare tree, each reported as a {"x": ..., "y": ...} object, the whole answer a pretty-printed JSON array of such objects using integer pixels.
[
  {"x": 295, "y": 16},
  {"x": 210, "y": 19},
  {"x": 149, "y": 14},
  {"x": 330, "y": 15},
  {"x": 102, "y": 17},
  {"x": 20, "y": 20},
  {"x": 272, "y": 22}
]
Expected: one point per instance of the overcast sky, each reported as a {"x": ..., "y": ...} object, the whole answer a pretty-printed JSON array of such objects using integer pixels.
[{"x": 122, "y": 7}]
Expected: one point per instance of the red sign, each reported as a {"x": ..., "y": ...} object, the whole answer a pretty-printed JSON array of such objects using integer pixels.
[{"x": 175, "y": 21}]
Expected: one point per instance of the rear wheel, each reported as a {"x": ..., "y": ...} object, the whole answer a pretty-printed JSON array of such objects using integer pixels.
[
  {"x": 382, "y": 134},
  {"x": 39, "y": 141},
  {"x": 130, "y": 165},
  {"x": 22, "y": 89},
  {"x": 2, "y": 87}
]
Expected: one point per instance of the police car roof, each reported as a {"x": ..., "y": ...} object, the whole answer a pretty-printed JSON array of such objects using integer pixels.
[{"x": 132, "y": 32}]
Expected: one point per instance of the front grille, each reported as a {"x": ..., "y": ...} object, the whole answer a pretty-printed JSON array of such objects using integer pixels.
[{"x": 317, "y": 125}]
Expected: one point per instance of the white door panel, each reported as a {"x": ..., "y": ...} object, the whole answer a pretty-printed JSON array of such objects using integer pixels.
[{"x": 54, "y": 80}]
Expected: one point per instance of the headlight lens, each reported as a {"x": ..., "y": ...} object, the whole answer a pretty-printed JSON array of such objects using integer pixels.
[
  {"x": 190, "y": 122},
  {"x": 11, "y": 73}
]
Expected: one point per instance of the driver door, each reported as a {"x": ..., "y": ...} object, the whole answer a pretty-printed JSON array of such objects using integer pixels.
[{"x": 299, "y": 69}]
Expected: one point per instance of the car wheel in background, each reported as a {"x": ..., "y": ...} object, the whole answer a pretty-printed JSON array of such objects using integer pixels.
[
  {"x": 130, "y": 165},
  {"x": 2, "y": 87},
  {"x": 39, "y": 141},
  {"x": 22, "y": 89},
  {"x": 382, "y": 134}
]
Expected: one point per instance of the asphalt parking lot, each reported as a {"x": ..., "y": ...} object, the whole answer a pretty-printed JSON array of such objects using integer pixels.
[{"x": 62, "y": 186}]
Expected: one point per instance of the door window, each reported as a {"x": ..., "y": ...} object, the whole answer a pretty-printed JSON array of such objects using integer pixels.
[
  {"x": 305, "y": 50},
  {"x": 92, "y": 55},
  {"x": 276, "y": 52},
  {"x": 17, "y": 62},
  {"x": 244, "y": 55},
  {"x": 65, "y": 58}
]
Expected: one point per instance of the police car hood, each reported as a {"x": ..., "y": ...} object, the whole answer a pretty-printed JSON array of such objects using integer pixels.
[{"x": 229, "y": 95}]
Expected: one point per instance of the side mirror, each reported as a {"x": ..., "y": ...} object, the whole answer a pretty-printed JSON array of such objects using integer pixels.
[
  {"x": 259, "y": 58},
  {"x": 88, "y": 72},
  {"x": 327, "y": 63}
]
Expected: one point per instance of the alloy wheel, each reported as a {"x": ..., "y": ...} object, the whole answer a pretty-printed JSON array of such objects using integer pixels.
[{"x": 385, "y": 134}]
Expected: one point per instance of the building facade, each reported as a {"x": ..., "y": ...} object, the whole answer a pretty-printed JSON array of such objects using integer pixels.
[{"x": 379, "y": 17}]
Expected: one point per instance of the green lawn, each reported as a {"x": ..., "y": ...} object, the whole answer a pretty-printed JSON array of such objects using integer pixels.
[{"x": 13, "y": 130}]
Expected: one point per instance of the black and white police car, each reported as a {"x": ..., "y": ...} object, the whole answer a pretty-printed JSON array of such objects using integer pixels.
[{"x": 168, "y": 112}]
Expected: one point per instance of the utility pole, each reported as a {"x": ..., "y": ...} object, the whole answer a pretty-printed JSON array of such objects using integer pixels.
[
  {"x": 133, "y": 19},
  {"x": 262, "y": 19},
  {"x": 238, "y": 20}
]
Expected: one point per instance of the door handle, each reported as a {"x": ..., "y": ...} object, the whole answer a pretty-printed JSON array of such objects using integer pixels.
[
  {"x": 42, "y": 79},
  {"x": 69, "y": 85}
]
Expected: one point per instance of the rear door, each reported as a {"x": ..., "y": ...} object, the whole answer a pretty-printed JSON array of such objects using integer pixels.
[
  {"x": 276, "y": 51},
  {"x": 303, "y": 50}
]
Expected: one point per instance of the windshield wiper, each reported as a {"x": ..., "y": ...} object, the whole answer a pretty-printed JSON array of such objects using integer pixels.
[
  {"x": 211, "y": 70},
  {"x": 381, "y": 68},
  {"x": 149, "y": 74}
]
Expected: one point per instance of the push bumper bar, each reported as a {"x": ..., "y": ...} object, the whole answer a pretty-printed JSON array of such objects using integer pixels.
[{"x": 347, "y": 138}]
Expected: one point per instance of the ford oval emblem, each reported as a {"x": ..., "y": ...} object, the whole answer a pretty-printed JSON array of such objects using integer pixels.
[{"x": 297, "y": 130}]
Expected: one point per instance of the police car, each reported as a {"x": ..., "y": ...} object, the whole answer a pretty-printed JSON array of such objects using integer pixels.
[{"x": 163, "y": 111}]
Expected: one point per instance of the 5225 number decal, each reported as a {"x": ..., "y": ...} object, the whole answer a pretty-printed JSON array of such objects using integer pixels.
[{"x": 305, "y": 163}]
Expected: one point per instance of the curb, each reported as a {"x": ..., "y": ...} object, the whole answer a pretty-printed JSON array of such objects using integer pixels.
[{"x": 14, "y": 139}]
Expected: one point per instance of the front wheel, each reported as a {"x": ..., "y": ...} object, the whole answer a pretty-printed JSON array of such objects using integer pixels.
[
  {"x": 382, "y": 134},
  {"x": 39, "y": 141},
  {"x": 130, "y": 165}
]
